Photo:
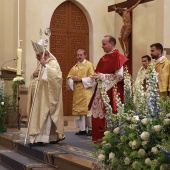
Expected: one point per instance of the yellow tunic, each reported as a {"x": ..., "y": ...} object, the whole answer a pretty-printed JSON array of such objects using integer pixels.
[
  {"x": 163, "y": 69},
  {"x": 81, "y": 96},
  {"x": 48, "y": 100}
]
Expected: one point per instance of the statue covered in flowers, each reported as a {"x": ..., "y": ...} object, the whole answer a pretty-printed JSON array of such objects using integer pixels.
[{"x": 138, "y": 136}]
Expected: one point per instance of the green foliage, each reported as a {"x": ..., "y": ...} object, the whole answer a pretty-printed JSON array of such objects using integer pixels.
[
  {"x": 15, "y": 84},
  {"x": 4, "y": 105},
  {"x": 165, "y": 105}
]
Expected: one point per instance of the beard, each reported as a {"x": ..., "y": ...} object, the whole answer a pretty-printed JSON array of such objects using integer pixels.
[{"x": 154, "y": 56}]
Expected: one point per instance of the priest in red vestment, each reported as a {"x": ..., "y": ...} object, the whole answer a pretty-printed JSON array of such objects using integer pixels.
[{"x": 109, "y": 68}]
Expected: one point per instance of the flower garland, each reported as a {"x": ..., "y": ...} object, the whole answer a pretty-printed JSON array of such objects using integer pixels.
[{"x": 109, "y": 115}]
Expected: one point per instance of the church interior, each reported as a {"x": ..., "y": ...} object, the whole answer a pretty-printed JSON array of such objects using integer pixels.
[{"x": 74, "y": 24}]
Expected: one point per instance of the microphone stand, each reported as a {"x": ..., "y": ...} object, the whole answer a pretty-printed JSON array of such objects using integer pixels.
[{"x": 7, "y": 62}]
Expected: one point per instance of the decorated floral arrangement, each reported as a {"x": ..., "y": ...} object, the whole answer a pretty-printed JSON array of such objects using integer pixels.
[
  {"x": 19, "y": 80},
  {"x": 138, "y": 135},
  {"x": 4, "y": 105}
]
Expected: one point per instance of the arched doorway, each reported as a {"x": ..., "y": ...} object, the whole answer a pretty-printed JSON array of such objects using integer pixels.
[{"x": 69, "y": 32}]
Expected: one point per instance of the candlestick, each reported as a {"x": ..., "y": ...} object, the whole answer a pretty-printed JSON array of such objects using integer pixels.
[{"x": 19, "y": 55}]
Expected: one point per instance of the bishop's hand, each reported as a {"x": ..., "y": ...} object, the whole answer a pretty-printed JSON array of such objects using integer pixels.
[
  {"x": 36, "y": 73},
  {"x": 42, "y": 61}
]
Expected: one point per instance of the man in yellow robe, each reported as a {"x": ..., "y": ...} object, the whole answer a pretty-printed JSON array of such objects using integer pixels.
[
  {"x": 162, "y": 67},
  {"x": 142, "y": 73},
  {"x": 80, "y": 81},
  {"x": 46, "y": 107}
]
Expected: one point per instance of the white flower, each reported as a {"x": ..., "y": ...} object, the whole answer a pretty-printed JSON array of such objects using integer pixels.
[
  {"x": 141, "y": 152},
  {"x": 101, "y": 151},
  {"x": 161, "y": 167},
  {"x": 145, "y": 135},
  {"x": 144, "y": 121},
  {"x": 106, "y": 132},
  {"x": 135, "y": 144},
  {"x": 147, "y": 161},
  {"x": 116, "y": 130},
  {"x": 127, "y": 161},
  {"x": 168, "y": 115},
  {"x": 133, "y": 126},
  {"x": 111, "y": 155},
  {"x": 108, "y": 145},
  {"x": 18, "y": 78},
  {"x": 135, "y": 118},
  {"x": 104, "y": 142},
  {"x": 101, "y": 157},
  {"x": 166, "y": 121},
  {"x": 154, "y": 150},
  {"x": 130, "y": 143},
  {"x": 144, "y": 143},
  {"x": 2, "y": 103},
  {"x": 157, "y": 128},
  {"x": 128, "y": 118},
  {"x": 164, "y": 167}
]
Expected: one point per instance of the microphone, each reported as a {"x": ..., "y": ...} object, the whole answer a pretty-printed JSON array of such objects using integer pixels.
[{"x": 7, "y": 62}]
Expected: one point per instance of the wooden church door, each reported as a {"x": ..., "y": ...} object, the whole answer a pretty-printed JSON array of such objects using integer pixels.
[{"x": 69, "y": 32}]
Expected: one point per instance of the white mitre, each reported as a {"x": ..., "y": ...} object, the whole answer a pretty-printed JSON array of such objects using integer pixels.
[{"x": 38, "y": 47}]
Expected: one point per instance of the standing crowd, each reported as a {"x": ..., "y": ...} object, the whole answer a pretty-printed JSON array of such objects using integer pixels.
[{"x": 45, "y": 107}]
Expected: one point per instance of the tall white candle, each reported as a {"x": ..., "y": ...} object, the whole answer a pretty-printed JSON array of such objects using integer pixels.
[
  {"x": 19, "y": 51},
  {"x": 19, "y": 55},
  {"x": 18, "y": 25}
]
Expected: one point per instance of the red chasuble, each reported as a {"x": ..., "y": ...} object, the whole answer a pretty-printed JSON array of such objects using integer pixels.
[{"x": 108, "y": 64}]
